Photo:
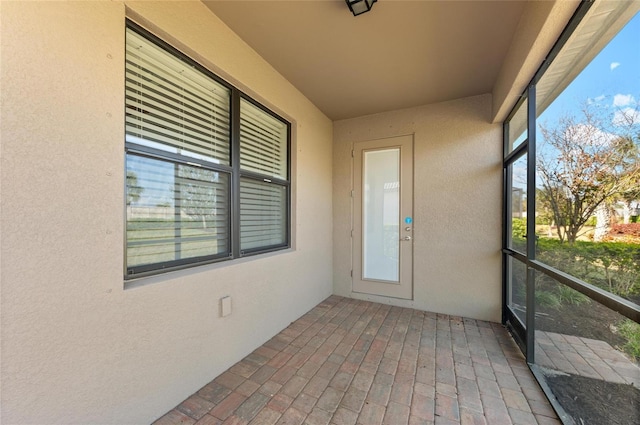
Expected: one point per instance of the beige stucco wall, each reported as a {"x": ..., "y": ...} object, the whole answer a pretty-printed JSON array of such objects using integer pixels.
[
  {"x": 76, "y": 346},
  {"x": 457, "y": 204}
]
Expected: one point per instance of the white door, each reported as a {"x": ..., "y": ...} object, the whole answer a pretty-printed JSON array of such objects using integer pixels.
[{"x": 383, "y": 217}]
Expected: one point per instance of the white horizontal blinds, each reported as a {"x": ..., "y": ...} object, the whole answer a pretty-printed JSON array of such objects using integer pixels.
[
  {"x": 179, "y": 131},
  {"x": 172, "y": 106},
  {"x": 263, "y": 214},
  {"x": 174, "y": 211},
  {"x": 263, "y": 142}
]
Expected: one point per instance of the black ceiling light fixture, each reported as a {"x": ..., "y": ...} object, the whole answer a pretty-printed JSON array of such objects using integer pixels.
[{"x": 358, "y": 7}]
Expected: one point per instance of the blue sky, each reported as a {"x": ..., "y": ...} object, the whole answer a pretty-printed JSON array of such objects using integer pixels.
[
  {"x": 613, "y": 76},
  {"x": 612, "y": 80}
]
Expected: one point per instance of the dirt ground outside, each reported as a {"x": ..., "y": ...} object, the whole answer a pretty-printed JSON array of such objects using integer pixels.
[{"x": 591, "y": 401}]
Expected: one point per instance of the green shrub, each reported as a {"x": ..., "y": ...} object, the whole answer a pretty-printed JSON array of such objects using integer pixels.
[
  {"x": 547, "y": 299},
  {"x": 543, "y": 220},
  {"x": 518, "y": 228},
  {"x": 569, "y": 296},
  {"x": 630, "y": 331},
  {"x": 613, "y": 266}
]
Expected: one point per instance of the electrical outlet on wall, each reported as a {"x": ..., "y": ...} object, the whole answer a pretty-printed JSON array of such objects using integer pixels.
[{"x": 225, "y": 306}]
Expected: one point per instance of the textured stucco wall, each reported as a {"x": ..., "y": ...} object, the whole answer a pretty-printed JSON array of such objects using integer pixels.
[
  {"x": 457, "y": 204},
  {"x": 76, "y": 346}
]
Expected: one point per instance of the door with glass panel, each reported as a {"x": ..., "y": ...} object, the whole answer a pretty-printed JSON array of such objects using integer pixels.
[{"x": 383, "y": 217}]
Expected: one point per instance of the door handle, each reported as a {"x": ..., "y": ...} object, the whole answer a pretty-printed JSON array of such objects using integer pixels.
[{"x": 406, "y": 238}]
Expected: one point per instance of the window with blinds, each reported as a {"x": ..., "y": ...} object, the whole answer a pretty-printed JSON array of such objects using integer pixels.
[
  {"x": 192, "y": 197},
  {"x": 263, "y": 185},
  {"x": 263, "y": 214},
  {"x": 263, "y": 142},
  {"x": 171, "y": 106},
  {"x": 176, "y": 213}
]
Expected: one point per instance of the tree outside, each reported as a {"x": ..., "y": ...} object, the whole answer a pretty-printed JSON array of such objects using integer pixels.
[
  {"x": 199, "y": 192},
  {"x": 588, "y": 184},
  {"x": 134, "y": 190},
  {"x": 586, "y": 163}
]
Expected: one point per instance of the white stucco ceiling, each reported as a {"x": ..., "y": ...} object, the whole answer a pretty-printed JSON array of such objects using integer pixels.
[{"x": 399, "y": 55}]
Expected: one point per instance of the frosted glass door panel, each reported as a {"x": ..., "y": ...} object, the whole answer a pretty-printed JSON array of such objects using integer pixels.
[{"x": 381, "y": 215}]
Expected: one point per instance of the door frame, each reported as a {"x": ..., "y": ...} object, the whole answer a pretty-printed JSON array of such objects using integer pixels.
[{"x": 404, "y": 288}]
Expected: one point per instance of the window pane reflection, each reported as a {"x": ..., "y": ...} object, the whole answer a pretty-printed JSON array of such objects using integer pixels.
[
  {"x": 517, "y": 289},
  {"x": 518, "y": 215},
  {"x": 518, "y": 127}
]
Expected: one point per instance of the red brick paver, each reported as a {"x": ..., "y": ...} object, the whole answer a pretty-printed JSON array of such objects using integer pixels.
[
  {"x": 356, "y": 362},
  {"x": 585, "y": 357}
]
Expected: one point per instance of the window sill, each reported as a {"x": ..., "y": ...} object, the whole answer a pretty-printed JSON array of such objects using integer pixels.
[{"x": 177, "y": 274}]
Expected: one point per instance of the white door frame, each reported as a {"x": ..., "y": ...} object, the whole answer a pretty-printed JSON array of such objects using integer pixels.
[{"x": 399, "y": 283}]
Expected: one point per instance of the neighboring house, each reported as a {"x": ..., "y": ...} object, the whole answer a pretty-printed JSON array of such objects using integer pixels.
[{"x": 628, "y": 211}]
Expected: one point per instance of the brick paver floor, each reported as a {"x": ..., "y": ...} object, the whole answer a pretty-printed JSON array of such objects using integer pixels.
[
  {"x": 585, "y": 357},
  {"x": 350, "y": 362}
]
